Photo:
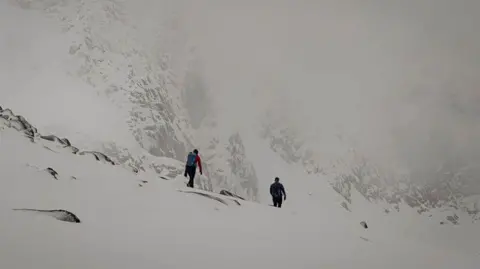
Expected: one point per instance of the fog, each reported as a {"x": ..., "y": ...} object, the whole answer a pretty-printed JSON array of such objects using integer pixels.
[{"x": 398, "y": 78}]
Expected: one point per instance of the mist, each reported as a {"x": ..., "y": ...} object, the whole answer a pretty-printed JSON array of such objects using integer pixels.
[
  {"x": 396, "y": 81},
  {"x": 397, "y": 78}
]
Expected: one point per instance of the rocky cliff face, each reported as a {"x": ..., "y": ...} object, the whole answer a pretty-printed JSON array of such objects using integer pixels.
[
  {"x": 447, "y": 189},
  {"x": 241, "y": 168},
  {"x": 107, "y": 51},
  {"x": 138, "y": 65},
  {"x": 227, "y": 165},
  {"x": 142, "y": 67}
]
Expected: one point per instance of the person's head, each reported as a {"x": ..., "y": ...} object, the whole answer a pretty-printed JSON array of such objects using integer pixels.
[
  {"x": 195, "y": 151},
  {"x": 277, "y": 179}
]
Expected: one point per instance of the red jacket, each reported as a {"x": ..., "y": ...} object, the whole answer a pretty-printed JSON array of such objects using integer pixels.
[{"x": 199, "y": 162}]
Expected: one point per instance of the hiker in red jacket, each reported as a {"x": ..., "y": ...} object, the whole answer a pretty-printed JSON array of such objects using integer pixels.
[{"x": 191, "y": 166}]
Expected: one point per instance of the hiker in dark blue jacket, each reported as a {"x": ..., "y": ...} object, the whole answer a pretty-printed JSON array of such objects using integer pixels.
[
  {"x": 278, "y": 193},
  {"x": 191, "y": 166}
]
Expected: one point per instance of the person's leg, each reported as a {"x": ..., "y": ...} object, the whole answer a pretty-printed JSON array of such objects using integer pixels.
[
  {"x": 191, "y": 174},
  {"x": 279, "y": 202},
  {"x": 274, "y": 201}
]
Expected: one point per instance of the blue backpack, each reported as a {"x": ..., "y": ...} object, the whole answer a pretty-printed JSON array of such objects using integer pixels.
[{"x": 191, "y": 159}]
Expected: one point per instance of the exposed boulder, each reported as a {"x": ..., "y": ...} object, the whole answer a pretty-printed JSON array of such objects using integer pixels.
[
  {"x": 19, "y": 123},
  {"x": 52, "y": 172},
  {"x": 59, "y": 214},
  {"x": 98, "y": 156},
  {"x": 453, "y": 219},
  {"x": 60, "y": 142},
  {"x": 227, "y": 193},
  {"x": 364, "y": 224},
  {"x": 213, "y": 197}
]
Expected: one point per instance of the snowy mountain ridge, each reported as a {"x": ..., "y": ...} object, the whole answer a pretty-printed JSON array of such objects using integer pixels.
[
  {"x": 138, "y": 81},
  {"x": 88, "y": 213},
  {"x": 140, "y": 84},
  {"x": 354, "y": 172},
  {"x": 142, "y": 164}
]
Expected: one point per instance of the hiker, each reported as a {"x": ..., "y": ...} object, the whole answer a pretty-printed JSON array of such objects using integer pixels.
[
  {"x": 278, "y": 193},
  {"x": 191, "y": 166}
]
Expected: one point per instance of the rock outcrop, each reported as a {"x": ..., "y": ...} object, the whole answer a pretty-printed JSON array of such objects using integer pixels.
[
  {"x": 17, "y": 122},
  {"x": 227, "y": 193},
  {"x": 52, "y": 172},
  {"x": 354, "y": 172},
  {"x": 9, "y": 120},
  {"x": 59, "y": 214},
  {"x": 98, "y": 156},
  {"x": 213, "y": 197}
]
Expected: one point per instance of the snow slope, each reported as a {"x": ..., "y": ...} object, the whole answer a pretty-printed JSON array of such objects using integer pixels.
[
  {"x": 133, "y": 80},
  {"x": 118, "y": 72},
  {"x": 109, "y": 75},
  {"x": 131, "y": 221}
]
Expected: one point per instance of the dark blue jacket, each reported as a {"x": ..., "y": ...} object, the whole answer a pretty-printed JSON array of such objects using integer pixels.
[{"x": 277, "y": 190}]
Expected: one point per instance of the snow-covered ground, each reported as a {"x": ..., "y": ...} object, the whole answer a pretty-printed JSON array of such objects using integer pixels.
[
  {"x": 131, "y": 221},
  {"x": 111, "y": 73}
]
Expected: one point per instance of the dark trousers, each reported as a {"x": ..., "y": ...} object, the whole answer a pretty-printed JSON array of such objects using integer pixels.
[
  {"x": 277, "y": 201},
  {"x": 190, "y": 171}
]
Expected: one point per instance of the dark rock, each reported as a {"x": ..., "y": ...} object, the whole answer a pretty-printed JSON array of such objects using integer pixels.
[
  {"x": 218, "y": 199},
  {"x": 364, "y": 224},
  {"x": 59, "y": 214},
  {"x": 453, "y": 219},
  {"x": 18, "y": 123},
  {"x": 208, "y": 196},
  {"x": 49, "y": 137},
  {"x": 65, "y": 141},
  {"x": 98, "y": 156},
  {"x": 62, "y": 142},
  {"x": 52, "y": 172},
  {"x": 227, "y": 193}
]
